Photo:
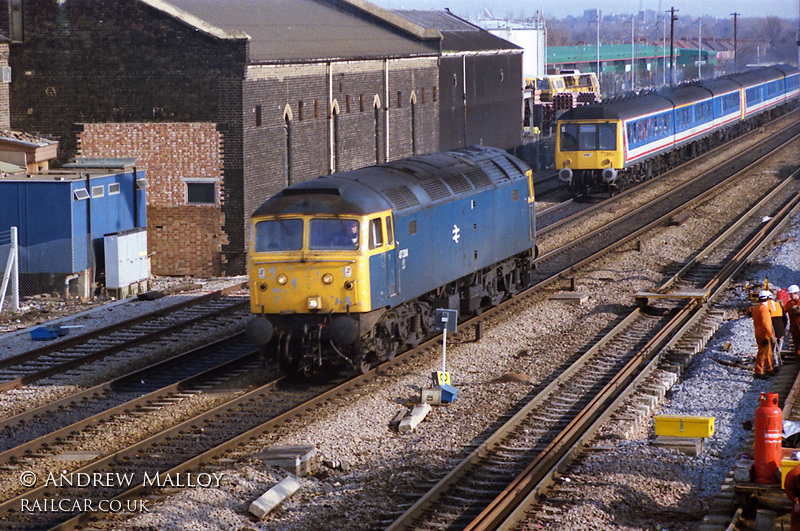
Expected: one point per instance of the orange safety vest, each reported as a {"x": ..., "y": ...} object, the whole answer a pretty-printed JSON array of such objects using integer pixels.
[{"x": 762, "y": 321}]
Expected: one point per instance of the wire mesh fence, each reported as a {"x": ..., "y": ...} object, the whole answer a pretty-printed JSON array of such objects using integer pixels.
[{"x": 49, "y": 270}]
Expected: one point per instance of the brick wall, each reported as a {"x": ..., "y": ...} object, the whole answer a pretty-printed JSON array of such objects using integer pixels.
[
  {"x": 293, "y": 142},
  {"x": 184, "y": 239}
]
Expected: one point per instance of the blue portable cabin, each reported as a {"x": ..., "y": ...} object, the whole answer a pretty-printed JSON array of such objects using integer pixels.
[
  {"x": 452, "y": 219},
  {"x": 63, "y": 215}
]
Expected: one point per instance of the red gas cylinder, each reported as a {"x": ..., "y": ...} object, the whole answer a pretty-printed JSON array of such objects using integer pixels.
[
  {"x": 767, "y": 451},
  {"x": 783, "y": 295}
]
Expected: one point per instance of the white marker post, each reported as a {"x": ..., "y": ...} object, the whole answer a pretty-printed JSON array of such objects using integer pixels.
[{"x": 444, "y": 320}]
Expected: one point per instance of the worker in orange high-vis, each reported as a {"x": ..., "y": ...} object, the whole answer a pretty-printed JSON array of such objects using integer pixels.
[
  {"x": 779, "y": 324},
  {"x": 792, "y": 309},
  {"x": 765, "y": 335}
]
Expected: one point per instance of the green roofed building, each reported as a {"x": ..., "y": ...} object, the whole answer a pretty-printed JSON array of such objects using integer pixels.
[{"x": 615, "y": 64}]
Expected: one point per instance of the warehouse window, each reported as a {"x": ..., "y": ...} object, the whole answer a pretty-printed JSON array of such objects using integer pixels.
[
  {"x": 300, "y": 110},
  {"x": 80, "y": 194},
  {"x": 98, "y": 191},
  {"x": 258, "y": 115},
  {"x": 412, "y": 227},
  {"x": 201, "y": 193},
  {"x": 113, "y": 188}
]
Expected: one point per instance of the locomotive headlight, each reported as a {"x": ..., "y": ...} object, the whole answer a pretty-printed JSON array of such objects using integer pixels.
[
  {"x": 314, "y": 303},
  {"x": 607, "y": 161},
  {"x": 327, "y": 278},
  {"x": 567, "y": 162},
  {"x": 282, "y": 279}
]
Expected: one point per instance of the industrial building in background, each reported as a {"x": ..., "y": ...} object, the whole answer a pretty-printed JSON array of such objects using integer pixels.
[{"x": 225, "y": 103}]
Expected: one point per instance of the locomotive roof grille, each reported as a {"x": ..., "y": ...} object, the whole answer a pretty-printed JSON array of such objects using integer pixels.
[
  {"x": 457, "y": 183},
  {"x": 436, "y": 189},
  {"x": 478, "y": 178},
  {"x": 402, "y": 197}
]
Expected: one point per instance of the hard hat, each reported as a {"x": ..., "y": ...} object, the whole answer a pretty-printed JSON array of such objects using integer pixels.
[
  {"x": 764, "y": 294},
  {"x": 793, "y": 289}
]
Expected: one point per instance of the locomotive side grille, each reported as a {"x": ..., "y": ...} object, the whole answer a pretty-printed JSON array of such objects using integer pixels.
[
  {"x": 436, "y": 189},
  {"x": 478, "y": 178},
  {"x": 457, "y": 183},
  {"x": 401, "y": 197}
]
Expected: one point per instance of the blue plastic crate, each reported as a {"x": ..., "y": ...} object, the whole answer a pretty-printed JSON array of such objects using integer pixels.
[{"x": 47, "y": 333}]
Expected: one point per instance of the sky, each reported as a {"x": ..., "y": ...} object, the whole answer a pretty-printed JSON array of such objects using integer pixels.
[{"x": 786, "y": 9}]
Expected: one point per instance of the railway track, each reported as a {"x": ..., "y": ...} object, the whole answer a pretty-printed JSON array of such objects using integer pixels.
[
  {"x": 52, "y": 428},
  {"x": 73, "y": 352},
  {"x": 498, "y": 482}
]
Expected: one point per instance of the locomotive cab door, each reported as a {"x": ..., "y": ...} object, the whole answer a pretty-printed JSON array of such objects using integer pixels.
[
  {"x": 381, "y": 236},
  {"x": 391, "y": 258}
]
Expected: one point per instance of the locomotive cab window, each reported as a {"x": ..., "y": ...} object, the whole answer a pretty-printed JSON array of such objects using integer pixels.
[
  {"x": 325, "y": 234},
  {"x": 375, "y": 233},
  {"x": 278, "y": 235},
  {"x": 389, "y": 231}
]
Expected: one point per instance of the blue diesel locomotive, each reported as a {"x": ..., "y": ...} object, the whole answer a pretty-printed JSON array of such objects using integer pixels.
[
  {"x": 600, "y": 148},
  {"x": 347, "y": 269}
]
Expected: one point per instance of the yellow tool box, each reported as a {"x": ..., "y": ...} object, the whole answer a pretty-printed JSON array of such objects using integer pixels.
[{"x": 684, "y": 426}]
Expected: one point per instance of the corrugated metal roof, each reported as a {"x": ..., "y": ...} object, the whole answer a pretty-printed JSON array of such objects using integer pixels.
[
  {"x": 304, "y": 30},
  {"x": 458, "y": 35}
]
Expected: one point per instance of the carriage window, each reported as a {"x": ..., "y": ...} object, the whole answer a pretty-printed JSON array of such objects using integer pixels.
[
  {"x": 333, "y": 234},
  {"x": 278, "y": 235},
  {"x": 569, "y": 137},
  {"x": 389, "y": 231},
  {"x": 375, "y": 233}
]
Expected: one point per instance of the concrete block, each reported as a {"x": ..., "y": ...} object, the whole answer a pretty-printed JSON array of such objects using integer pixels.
[
  {"x": 575, "y": 297},
  {"x": 299, "y": 460},
  {"x": 417, "y": 415},
  {"x": 274, "y": 497}
]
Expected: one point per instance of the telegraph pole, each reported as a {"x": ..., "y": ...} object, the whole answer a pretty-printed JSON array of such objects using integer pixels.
[
  {"x": 673, "y": 18},
  {"x": 735, "y": 49}
]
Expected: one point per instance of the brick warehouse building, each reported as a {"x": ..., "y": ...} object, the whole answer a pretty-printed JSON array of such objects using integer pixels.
[
  {"x": 480, "y": 76},
  {"x": 222, "y": 103}
]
